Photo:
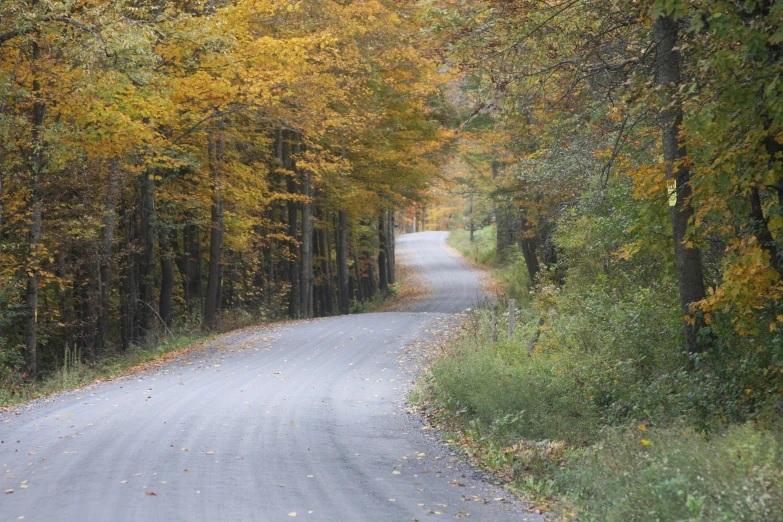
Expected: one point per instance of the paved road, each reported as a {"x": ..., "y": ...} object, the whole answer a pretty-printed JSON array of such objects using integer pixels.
[{"x": 304, "y": 420}]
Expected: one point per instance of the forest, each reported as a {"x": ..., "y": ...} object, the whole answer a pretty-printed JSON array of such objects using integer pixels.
[
  {"x": 170, "y": 163},
  {"x": 617, "y": 165}
]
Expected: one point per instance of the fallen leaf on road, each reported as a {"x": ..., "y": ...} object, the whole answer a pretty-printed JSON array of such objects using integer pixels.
[
  {"x": 292, "y": 514},
  {"x": 151, "y": 493},
  {"x": 9, "y": 491},
  {"x": 210, "y": 453}
]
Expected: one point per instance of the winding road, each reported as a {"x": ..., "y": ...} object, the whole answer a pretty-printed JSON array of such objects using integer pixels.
[{"x": 305, "y": 420}]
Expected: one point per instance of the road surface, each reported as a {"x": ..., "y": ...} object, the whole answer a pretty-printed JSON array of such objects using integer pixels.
[{"x": 301, "y": 421}]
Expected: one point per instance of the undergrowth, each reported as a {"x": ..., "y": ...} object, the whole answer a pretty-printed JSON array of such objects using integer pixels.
[
  {"x": 511, "y": 273},
  {"x": 608, "y": 419}
]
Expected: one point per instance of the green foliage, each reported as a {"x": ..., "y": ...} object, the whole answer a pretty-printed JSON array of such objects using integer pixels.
[
  {"x": 609, "y": 362},
  {"x": 481, "y": 250},
  {"x": 516, "y": 396}
]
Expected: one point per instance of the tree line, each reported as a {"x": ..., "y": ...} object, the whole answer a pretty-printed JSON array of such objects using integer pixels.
[
  {"x": 670, "y": 111},
  {"x": 167, "y": 163}
]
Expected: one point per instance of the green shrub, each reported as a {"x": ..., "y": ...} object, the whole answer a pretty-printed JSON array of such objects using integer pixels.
[{"x": 486, "y": 381}]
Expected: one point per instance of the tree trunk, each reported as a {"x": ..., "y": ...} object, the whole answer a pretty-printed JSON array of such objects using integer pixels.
[
  {"x": 504, "y": 237},
  {"x": 342, "y": 263},
  {"x": 326, "y": 270},
  {"x": 358, "y": 279},
  {"x": 688, "y": 260},
  {"x": 62, "y": 295},
  {"x": 91, "y": 301},
  {"x": 191, "y": 238},
  {"x": 148, "y": 258},
  {"x": 306, "y": 278},
  {"x": 130, "y": 300},
  {"x": 471, "y": 218},
  {"x": 106, "y": 257},
  {"x": 215, "y": 232},
  {"x": 528, "y": 246},
  {"x": 165, "y": 309},
  {"x": 390, "y": 273},
  {"x": 761, "y": 230},
  {"x": 372, "y": 282},
  {"x": 294, "y": 276},
  {"x": 34, "y": 237},
  {"x": 383, "y": 281},
  {"x": 500, "y": 208}
]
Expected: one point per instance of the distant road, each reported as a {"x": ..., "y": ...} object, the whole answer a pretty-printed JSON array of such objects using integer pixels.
[
  {"x": 455, "y": 286},
  {"x": 302, "y": 421}
]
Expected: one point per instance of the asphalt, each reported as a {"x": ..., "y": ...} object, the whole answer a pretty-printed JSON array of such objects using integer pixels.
[{"x": 306, "y": 420}]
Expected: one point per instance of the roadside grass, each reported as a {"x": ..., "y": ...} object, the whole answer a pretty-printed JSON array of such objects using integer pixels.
[
  {"x": 511, "y": 274},
  {"x": 603, "y": 422},
  {"x": 77, "y": 372},
  {"x": 481, "y": 250},
  {"x": 680, "y": 475}
]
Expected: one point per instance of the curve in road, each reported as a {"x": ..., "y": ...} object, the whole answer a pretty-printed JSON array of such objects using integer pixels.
[
  {"x": 300, "y": 421},
  {"x": 454, "y": 285}
]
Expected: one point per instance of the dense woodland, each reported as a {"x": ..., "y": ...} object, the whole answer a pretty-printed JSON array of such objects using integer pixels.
[
  {"x": 630, "y": 147},
  {"x": 171, "y": 162}
]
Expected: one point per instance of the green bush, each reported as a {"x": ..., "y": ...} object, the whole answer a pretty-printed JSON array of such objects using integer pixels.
[
  {"x": 486, "y": 381},
  {"x": 610, "y": 408}
]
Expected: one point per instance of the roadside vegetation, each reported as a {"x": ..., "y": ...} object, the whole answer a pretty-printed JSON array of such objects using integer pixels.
[
  {"x": 619, "y": 167},
  {"x": 607, "y": 419},
  {"x": 511, "y": 274}
]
